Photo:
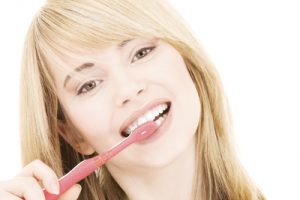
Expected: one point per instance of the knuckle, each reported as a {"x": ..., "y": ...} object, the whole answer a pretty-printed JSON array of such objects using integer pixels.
[
  {"x": 43, "y": 167},
  {"x": 37, "y": 163}
]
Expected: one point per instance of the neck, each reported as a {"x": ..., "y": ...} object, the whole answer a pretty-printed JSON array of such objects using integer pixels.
[{"x": 171, "y": 182}]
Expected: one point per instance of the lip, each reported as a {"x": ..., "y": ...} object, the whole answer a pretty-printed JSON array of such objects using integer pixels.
[{"x": 142, "y": 111}]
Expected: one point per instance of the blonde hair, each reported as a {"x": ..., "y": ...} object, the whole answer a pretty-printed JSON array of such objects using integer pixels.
[{"x": 62, "y": 27}]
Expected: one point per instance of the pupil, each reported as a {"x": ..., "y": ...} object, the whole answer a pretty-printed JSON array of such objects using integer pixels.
[
  {"x": 141, "y": 53},
  {"x": 90, "y": 85}
]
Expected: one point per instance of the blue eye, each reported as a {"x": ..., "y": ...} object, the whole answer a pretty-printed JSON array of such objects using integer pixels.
[
  {"x": 142, "y": 53},
  {"x": 88, "y": 86}
]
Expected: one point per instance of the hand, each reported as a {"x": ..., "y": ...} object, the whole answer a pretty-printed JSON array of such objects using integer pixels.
[{"x": 26, "y": 184}]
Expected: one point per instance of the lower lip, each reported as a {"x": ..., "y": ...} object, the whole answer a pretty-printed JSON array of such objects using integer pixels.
[{"x": 161, "y": 129}]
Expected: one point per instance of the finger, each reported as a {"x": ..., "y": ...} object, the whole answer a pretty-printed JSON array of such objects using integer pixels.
[
  {"x": 8, "y": 196},
  {"x": 24, "y": 187},
  {"x": 71, "y": 194},
  {"x": 44, "y": 173}
]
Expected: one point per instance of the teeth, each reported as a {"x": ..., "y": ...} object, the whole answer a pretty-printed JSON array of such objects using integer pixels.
[
  {"x": 156, "y": 112},
  {"x": 130, "y": 127},
  {"x": 160, "y": 120},
  {"x": 164, "y": 106},
  {"x": 149, "y": 116},
  {"x": 142, "y": 120},
  {"x": 160, "y": 109}
]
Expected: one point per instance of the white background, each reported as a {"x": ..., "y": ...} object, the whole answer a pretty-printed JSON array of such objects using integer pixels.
[{"x": 255, "y": 46}]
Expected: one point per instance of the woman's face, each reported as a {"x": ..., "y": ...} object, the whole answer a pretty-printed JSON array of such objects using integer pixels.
[{"x": 121, "y": 84}]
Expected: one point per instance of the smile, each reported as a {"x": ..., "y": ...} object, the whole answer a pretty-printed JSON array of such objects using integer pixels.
[{"x": 158, "y": 114}]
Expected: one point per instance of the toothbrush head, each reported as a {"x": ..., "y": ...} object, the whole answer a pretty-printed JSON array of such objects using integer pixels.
[{"x": 143, "y": 132}]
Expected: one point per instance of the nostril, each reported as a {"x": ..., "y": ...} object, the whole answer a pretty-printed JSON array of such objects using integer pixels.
[
  {"x": 124, "y": 102},
  {"x": 128, "y": 98},
  {"x": 140, "y": 91}
]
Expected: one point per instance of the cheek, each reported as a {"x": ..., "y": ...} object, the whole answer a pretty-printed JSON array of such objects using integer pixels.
[
  {"x": 184, "y": 89},
  {"x": 175, "y": 73},
  {"x": 92, "y": 120}
]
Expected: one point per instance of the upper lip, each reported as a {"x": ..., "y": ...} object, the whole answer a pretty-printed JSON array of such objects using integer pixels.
[{"x": 133, "y": 117}]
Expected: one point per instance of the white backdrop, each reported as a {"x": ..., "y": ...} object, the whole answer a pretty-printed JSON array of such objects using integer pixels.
[{"x": 255, "y": 46}]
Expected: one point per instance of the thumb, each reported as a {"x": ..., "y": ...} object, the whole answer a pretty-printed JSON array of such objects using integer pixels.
[{"x": 72, "y": 193}]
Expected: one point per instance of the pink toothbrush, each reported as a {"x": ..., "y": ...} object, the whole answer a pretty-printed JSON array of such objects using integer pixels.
[{"x": 86, "y": 167}]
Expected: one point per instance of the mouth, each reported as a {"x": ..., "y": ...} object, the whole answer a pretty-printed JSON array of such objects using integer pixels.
[{"x": 157, "y": 114}]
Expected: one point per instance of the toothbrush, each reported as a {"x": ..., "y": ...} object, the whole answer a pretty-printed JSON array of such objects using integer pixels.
[{"x": 88, "y": 166}]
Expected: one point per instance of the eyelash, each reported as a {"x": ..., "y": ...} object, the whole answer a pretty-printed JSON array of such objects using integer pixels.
[
  {"x": 97, "y": 82},
  {"x": 151, "y": 48},
  {"x": 87, "y": 84}
]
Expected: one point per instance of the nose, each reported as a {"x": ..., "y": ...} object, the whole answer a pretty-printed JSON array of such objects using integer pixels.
[{"x": 129, "y": 88}]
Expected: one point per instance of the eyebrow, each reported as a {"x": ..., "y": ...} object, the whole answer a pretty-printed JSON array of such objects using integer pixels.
[
  {"x": 123, "y": 43},
  {"x": 89, "y": 65},
  {"x": 78, "y": 69}
]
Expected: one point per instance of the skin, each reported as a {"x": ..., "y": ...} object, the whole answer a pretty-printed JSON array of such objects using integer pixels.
[
  {"x": 25, "y": 184},
  {"x": 121, "y": 82},
  {"x": 127, "y": 87}
]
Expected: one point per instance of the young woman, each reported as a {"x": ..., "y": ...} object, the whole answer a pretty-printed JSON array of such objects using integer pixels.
[{"x": 94, "y": 70}]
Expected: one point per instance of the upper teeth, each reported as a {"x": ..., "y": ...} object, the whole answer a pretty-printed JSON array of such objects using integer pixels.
[{"x": 148, "y": 116}]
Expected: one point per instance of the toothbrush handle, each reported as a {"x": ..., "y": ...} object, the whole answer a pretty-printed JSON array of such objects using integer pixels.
[
  {"x": 85, "y": 168},
  {"x": 79, "y": 172}
]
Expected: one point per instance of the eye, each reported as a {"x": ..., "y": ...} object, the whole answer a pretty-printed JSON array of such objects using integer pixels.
[
  {"x": 88, "y": 86},
  {"x": 142, "y": 53}
]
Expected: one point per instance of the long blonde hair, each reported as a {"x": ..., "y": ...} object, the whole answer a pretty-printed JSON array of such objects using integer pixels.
[{"x": 63, "y": 26}]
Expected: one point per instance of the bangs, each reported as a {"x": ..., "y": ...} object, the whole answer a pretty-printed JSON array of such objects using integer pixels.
[
  {"x": 74, "y": 25},
  {"x": 71, "y": 28},
  {"x": 66, "y": 29}
]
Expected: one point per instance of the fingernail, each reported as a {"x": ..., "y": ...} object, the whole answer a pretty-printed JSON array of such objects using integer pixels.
[
  {"x": 54, "y": 188},
  {"x": 79, "y": 189}
]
